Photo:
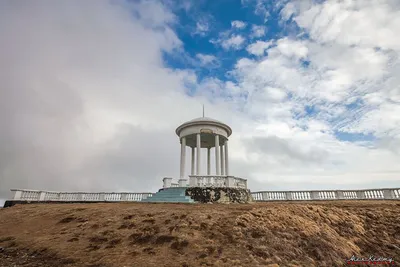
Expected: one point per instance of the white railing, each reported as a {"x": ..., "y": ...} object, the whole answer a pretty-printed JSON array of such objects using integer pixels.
[
  {"x": 93, "y": 196},
  {"x": 217, "y": 181},
  {"x": 36, "y": 195},
  {"x": 384, "y": 193},
  {"x": 207, "y": 181},
  {"x": 213, "y": 181},
  {"x": 30, "y": 194}
]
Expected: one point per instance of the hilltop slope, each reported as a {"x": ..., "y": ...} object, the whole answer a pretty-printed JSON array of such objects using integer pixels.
[{"x": 141, "y": 234}]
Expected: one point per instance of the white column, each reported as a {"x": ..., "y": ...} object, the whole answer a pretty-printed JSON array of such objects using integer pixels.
[
  {"x": 183, "y": 156},
  {"x": 222, "y": 160},
  {"x": 217, "y": 149},
  {"x": 208, "y": 161},
  {"x": 226, "y": 158},
  {"x": 198, "y": 139},
  {"x": 192, "y": 170}
]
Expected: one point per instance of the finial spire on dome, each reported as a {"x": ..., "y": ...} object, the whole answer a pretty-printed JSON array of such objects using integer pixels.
[{"x": 203, "y": 110}]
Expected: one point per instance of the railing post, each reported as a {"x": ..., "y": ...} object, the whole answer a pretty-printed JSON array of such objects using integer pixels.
[
  {"x": 360, "y": 194},
  {"x": 17, "y": 194},
  {"x": 192, "y": 180},
  {"x": 314, "y": 195},
  {"x": 230, "y": 181},
  {"x": 182, "y": 182},
  {"x": 42, "y": 195},
  {"x": 167, "y": 182},
  {"x": 387, "y": 194},
  {"x": 264, "y": 196},
  {"x": 288, "y": 195},
  {"x": 339, "y": 194}
]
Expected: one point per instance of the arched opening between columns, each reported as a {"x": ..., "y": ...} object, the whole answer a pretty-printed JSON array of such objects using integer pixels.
[{"x": 211, "y": 143}]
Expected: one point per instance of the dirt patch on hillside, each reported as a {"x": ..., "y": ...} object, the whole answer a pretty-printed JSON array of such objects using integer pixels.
[{"x": 144, "y": 234}]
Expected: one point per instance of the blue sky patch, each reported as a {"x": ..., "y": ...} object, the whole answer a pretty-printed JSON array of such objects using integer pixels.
[{"x": 355, "y": 137}]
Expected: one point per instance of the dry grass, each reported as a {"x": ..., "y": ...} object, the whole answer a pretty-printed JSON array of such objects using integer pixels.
[{"x": 141, "y": 234}]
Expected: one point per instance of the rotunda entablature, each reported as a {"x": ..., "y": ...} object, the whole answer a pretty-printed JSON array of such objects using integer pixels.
[{"x": 203, "y": 125}]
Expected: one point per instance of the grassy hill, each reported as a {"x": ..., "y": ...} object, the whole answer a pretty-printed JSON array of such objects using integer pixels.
[{"x": 141, "y": 234}]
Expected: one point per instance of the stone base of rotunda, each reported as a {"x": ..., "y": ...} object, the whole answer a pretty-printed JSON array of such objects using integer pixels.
[{"x": 219, "y": 195}]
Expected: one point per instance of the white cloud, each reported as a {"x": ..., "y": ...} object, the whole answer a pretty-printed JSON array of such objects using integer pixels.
[
  {"x": 345, "y": 22},
  {"x": 261, "y": 10},
  {"x": 260, "y": 7},
  {"x": 258, "y": 48},
  {"x": 258, "y": 31},
  {"x": 234, "y": 42},
  {"x": 288, "y": 10},
  {"x": 292, "y": 48},
  {"x": 202, "y": 28},
  {"x": 238, "y": 24},
  {"x": 229, "y": 39},
  {"x": 84, "y": 100},
  {"x": 208, "y": 60},
  {"x": 153, "y": 14}
]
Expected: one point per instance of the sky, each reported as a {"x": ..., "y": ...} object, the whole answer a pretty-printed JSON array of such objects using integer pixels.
[{"x": 91, "y": 92}]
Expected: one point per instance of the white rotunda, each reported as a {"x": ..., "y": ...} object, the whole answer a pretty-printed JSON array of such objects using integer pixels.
[{"x": 210, "y": 136}]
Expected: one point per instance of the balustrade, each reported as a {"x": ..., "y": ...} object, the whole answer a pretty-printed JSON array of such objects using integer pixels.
[
  {"x": 217, "y": 181},
  {"x": 51, "y": 196},
  {"x": 371, "y": 194},
  {"x": 91, "y": 197},
  {"x": 34, "y": 195},
  {"x": 214, "y": 181},
  {"x": 30, "y": 195}
]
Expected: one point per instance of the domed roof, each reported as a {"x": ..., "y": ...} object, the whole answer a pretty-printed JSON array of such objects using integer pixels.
[{"x": 204, "y": 120}]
